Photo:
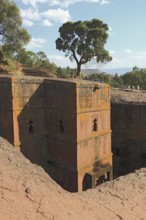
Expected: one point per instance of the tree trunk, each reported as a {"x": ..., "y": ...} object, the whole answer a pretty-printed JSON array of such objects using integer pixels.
[{"x": 78, "y": 70}]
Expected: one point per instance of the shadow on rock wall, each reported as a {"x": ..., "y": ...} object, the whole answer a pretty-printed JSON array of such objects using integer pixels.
[
  {"x": 6, "y": 113},
  {"x": 32, "y": 123},
  {"x": 46, "y": 128},
  {"x": 128, "y": 123}
]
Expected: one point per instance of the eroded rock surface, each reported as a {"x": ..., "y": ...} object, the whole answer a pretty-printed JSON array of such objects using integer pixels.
[{"x": 27, "y": 192}]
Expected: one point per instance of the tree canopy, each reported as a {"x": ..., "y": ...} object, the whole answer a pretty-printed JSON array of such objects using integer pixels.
[
  {"x": 84, "y": 40},
  {"x": 12, "y": 35}
]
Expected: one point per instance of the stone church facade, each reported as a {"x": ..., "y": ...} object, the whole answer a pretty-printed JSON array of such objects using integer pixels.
[{"x": 61, "y": 125}]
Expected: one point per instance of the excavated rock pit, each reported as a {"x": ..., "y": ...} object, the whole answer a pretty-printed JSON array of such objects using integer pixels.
[{"x": 27, "y": 192}]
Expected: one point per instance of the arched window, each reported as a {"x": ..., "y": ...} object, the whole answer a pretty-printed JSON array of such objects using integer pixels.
[
  {"x": 31, "y": 127},
  {"x": 61, "y": 126},
  {"x": 95, "y": 125}
]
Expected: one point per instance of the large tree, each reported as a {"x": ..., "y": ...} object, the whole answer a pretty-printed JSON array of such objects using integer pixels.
[
  {"x": 84, "y": 40},
  {"x": 12, "y": 35}
]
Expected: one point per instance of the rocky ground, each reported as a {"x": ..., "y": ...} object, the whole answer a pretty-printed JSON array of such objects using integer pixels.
[
  {"x": 27, "y": 192},
  {"x": 128, "y": 96}
]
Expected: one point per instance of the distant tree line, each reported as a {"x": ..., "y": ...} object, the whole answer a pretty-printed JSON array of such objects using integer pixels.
[
  {"x": 66, "y": 72},
  {"x": 133, "y": 79}
]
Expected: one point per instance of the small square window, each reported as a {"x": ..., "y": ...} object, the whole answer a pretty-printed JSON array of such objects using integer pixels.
[
  {"x": 61, "y": 126},
  {"x": 31, "y": 127},
  {"x": 95, "y": 125}
]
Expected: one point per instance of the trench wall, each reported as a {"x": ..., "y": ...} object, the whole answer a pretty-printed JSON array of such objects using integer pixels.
[{"x": 128, "y": 123}]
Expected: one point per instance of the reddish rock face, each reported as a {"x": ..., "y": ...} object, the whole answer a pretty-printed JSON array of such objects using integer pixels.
[
  {"x": 62, "y": 125},
  {"x": 94, "y": 158}
]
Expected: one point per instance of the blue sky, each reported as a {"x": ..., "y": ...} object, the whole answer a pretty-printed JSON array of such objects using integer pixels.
[{"x": 126, "y": 20}]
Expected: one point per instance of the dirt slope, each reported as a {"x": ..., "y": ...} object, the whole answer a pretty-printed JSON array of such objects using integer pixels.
[{"x": 27, "y": 192}]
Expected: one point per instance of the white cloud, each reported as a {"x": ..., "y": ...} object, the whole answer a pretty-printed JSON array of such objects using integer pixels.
[
  {"x": 51, "y": 16},
  {"x": 62, "y": 3},
  {"x": 36, "y": 43},
  {"x": 112, "y": 52},
  {"x": 141, "y": 53},
  {"x": 110, "y": 31},
  {"x": 30, "y": 14},
  {"x": 128, "y": 51},
  {"x": 33, "y": 2},
  {"x": 57, "y": 15},
  {"x": 62, "y": 61},
  {"x": 47, "y": 23},
  {"x": 66, "y": 3},
  {"x": 103, "y": 2},
  {"x": 110, "y": 28},
  {"x": 48, "y": 18},
  {"x": 28, "y": 22},
  {"x": 128, "y": 59}
]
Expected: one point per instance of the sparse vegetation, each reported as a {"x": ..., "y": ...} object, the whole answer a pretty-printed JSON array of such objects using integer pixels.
[
  {"x": 37, "y": 62},
  {"x": 135, "y": 78},
  {"x": 66, "y": 72}
]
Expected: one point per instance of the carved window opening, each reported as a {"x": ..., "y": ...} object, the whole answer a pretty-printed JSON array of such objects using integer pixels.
[
  {"x": 61, "y": 126},
  {"x": 102, "y": 179},
  {"x": 31, "y": 127},
  {"x": 95, "y": 125}
]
